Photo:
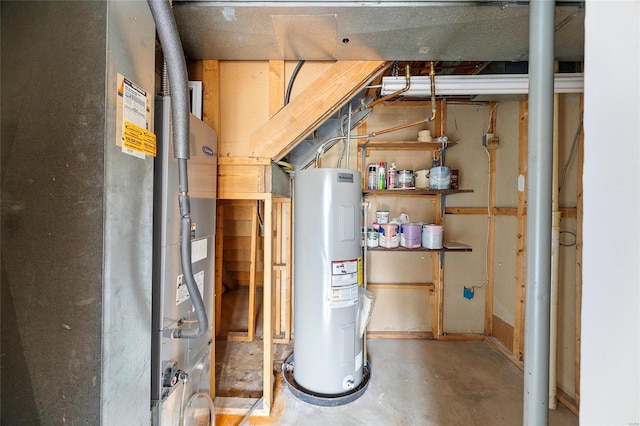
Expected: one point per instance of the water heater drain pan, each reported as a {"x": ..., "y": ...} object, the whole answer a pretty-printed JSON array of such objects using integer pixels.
[{"x": 323, "y": 399}]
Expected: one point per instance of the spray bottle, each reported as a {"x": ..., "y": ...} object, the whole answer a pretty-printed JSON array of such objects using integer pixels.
[
  {"x": 382, "y": 176},
  {"x": 391, "y": 176}
]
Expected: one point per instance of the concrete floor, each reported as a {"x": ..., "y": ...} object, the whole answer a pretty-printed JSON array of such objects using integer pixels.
[{"x": 415, "y": 382}]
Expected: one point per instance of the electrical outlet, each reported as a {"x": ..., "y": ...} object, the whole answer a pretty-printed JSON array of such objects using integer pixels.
[{"x": 467, "y": 292}]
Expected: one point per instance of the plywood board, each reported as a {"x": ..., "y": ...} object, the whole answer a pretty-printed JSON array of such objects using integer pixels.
[
  {"x": 462, "y": 315},
  {"x": 400, "y": 310},
  {"x": 244, "y": 93},
  {"x": 506, "y": 154},
  {"x": 467, "y": 124},
  {"x": 399, "y": 267},
  {"x": 505, "y": 269},
  {"x": 503, "y": 332},
  {"x": 521, "y": 234},
  {"x": 569, "y": 118},
  {"x": 567, "y": 310}
]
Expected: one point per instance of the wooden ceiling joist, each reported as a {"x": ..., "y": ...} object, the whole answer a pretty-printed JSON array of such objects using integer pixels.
[{"x": 312, "y": 107}]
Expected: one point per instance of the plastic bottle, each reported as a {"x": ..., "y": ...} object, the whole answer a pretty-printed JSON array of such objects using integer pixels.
[
  {"x": 372, "y": 177},
  {"x": 391, "y": 176},
  {"x": 382, "y": 176}
]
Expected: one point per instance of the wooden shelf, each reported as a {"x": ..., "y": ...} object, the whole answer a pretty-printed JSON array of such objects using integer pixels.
[
  {"x": 417, "y": 192},
  {"x": 436, "y": 198},
  {"x": 376, "y": 145},
  {"x": 459, "y": 247}
]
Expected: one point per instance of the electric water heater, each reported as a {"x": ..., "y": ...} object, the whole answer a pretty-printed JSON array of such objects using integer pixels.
[{"x": 328, "y": 280}]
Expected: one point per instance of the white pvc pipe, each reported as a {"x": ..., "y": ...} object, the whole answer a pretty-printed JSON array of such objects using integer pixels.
[
  {"x": 555, "y": 254},
  {"x": 538, "y": 269}
]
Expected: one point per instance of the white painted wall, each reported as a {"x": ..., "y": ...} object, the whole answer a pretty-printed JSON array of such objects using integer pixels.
[{"x": 610, "y": 365}]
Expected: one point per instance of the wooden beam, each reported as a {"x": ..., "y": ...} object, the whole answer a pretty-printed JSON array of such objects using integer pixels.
[
  {"x": 491, "y": 231},
  {"x": 521, "y": 243},
  {"x": 244, "y": 161},
  {"x": 252, "y": 272},
  {"x": 438, "y": 277},
  {"x": 211, "y": 96},
  {"x": 277, "y": 256},
  {"x": 504, "y": 211},
  {"x": 276, "y": 87},
  {"x": 217, "y": 298},
  {"x": 267, "y": 320},
  {"x": 312, "y": 107},
  {"x": 567, "y": 401},
  {"x": 437, "y": 260},
  {"x": 289, "y": 270},
  {"x": 219, "y": 257}
]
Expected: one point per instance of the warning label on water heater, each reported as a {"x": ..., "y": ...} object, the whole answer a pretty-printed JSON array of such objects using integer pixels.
[{"x": 344, "y": 283}]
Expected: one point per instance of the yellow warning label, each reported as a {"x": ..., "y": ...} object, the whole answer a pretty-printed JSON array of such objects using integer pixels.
[
  {"x": 360, "y": 271},
  {"x": 139, "y": 139}
]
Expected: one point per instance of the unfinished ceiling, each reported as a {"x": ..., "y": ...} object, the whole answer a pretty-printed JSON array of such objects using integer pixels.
[{"x": 449, "y": 30}]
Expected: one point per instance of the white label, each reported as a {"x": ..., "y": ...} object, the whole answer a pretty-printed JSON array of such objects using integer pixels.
[
  {"x": 343, "y": 297},
  {"x": 182, "y": 293},
  {"x": 198, "y": 250},
  {"x": 133, "y": 103},
  {"x": 344, "y": 267},
  {"x": 359, "y": 361},
  {"x": 344, "y": 280}
]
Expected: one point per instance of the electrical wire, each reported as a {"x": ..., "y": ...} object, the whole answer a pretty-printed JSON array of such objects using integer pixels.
[
  {"x": 291, "y": 80},
  {"x": 571, "y": 153},
  {"x": 486, "y": 252}
]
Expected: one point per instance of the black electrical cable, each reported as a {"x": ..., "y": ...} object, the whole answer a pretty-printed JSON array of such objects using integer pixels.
[{"x": 291, "y": 80}]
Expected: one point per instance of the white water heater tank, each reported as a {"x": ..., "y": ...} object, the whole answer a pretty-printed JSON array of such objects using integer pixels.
[{"x": 328, "y": 280}]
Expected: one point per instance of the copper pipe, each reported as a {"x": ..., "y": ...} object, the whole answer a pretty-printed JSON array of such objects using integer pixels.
[
  {"x": 392, "y": 95},
  {"x": 432, "y": 75}
]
